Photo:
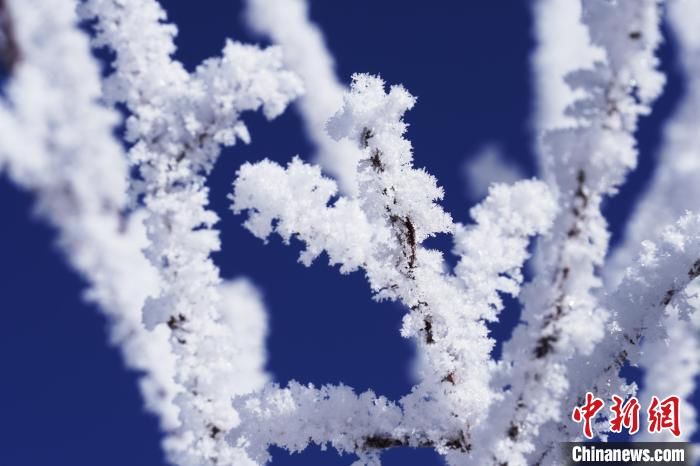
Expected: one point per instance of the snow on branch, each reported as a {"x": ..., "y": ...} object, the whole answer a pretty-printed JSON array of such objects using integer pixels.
[
  {"x": 295, "y": 416},
  {"x": 638, "y": 306},
  {"x": 492, "y": 253},
  {"x": 673, "y": 190},
  {"x": 674, "y": 186},
  {"x": 382, "y": 231},
  {"x": 584, "y": 164},
  {"x": 57, "y": 142},
  {"x": 295, "y": 202},
  {"x": 139, "y": 227},
  {"x": 178, "y": 122}
]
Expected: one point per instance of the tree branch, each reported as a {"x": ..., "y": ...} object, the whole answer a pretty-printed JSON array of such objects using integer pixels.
[
  {"x": 383, "y": 442},
  {"x": 9, "y": 49}
]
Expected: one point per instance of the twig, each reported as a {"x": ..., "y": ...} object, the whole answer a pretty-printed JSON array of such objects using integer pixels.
[{"x": 9, "y": 50}]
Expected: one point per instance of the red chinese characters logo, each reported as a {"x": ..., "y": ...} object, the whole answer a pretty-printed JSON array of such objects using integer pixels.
[
  {"x": 662, "y": 414},
  {"x": 587, "y": 412},
  {"x": 625, "y": 415}
]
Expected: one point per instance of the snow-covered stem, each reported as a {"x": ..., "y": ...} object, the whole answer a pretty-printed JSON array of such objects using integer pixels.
[
  {"x": 177, "y": 125},
  {"x": 674, "y": 189},
  {"x": 584, "y": 164},
  {"x": 638, "y": 307},
  {"x": 57, "y": 143},
  {"x": 382, "y": 231},
  {"x": 333, "y": 416},
  {"x": 651, "y": 293},
  {"x": 288, "y": 24}
]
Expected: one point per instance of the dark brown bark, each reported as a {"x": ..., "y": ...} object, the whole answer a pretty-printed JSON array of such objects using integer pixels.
[
  {"x": 9, "y": 50},
  {"x": 383, "y": 442}
]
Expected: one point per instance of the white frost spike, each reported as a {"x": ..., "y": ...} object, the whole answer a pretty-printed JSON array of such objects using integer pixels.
[
  {"x": 373, "y": 119},
  {"x": 493, "y": 252},
  {"x": 295, "y": 201}
]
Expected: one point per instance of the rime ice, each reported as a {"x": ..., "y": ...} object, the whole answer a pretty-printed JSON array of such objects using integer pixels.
[{"x": 136, "y": 223}]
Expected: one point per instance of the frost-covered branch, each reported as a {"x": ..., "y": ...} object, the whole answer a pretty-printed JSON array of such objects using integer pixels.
[
  {"x": 382, "y": 231},
  {"x": 57, "y": 142},
  {"x": 638, "y": 306},
  {"x": 674, "y": 186},
  {"x": 332, "y": 416},
  {"x": 138, "y": 226},
  {"x": 637, "y": 310},
  {"x": 585, "y": 163},
  {"x": 671, "y": 363},
  {"x": 294, "y": 416},
  {"x": 177, "y": 125}
]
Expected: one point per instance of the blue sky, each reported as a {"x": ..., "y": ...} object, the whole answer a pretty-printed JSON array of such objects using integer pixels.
[{"x": 65, "y": 398}]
